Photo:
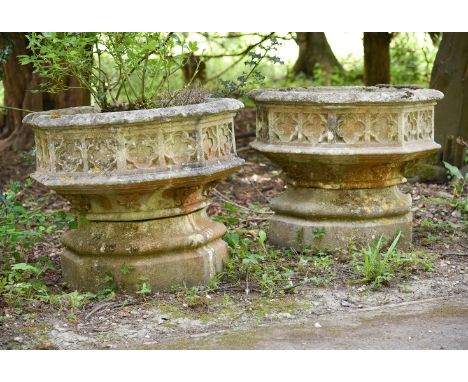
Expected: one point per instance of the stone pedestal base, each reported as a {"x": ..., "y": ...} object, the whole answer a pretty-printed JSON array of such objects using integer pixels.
[
  {"x": 329, "y": 219},
  {"x": 161, "y": 252}
]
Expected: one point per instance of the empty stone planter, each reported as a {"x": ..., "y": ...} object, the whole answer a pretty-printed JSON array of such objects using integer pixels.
[
  {"x": 343, "y": 150},
  {"x": 141, "y": 179}
]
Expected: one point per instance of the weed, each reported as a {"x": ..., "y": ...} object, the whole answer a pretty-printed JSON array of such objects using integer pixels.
[
  {"x": 373, "y": 265},
  {"x": 20, "y": 282},
  {"x": 75, "y": 300},
  {"x": 195, "y": 297},
  {"x": 125, "y": 269},
  {"x": 256, "y": 263},
  {"x": 377, "y": 267},
  {"x": 258, "y": 267},
  {"x": 145, "y": 288},
  {"x": 459, "y": 183},
  {"x": 430, "y": 226},
  {"x": 433, "y": 230},
  {"x": 318, "y": 233}
]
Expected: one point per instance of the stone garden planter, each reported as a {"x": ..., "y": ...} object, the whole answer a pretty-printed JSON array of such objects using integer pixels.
[
  {"x": 141, "y": 179},
  {"x": 343, "y": 150}
]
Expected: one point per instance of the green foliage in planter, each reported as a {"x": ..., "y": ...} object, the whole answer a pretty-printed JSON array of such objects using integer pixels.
[
  {"x": 133, "y": 67},
  {"x": 251, "y": 76},
  {"x": 132, "y": 70}
]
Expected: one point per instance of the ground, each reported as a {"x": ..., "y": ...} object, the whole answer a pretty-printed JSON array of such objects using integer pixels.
[{"x": 424, "y": 306}]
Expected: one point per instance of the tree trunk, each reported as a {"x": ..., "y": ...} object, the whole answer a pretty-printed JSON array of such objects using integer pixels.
[
  {"x": 18, "y": 81},
  {"x": 450, "y": 76},
  {"x": 377, "y": 58},
  {"x": 194, "y": 70},
  {"x": 314, "y": 51}
]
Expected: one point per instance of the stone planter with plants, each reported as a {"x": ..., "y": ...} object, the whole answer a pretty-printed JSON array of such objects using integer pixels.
[{"x": 139, "y": 171}]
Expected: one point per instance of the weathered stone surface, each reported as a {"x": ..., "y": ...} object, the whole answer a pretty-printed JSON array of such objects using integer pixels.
[
  {"x": 338, "y": 95},
  {"x": 344, "y": 150},
  {"x": 331, "y": 219},
  {"x": 141, "y": 179},
  {"x": 162, "y": 252}
]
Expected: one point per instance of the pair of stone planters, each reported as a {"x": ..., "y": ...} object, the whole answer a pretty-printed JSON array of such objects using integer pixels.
[{"x": 141, "y": 177}]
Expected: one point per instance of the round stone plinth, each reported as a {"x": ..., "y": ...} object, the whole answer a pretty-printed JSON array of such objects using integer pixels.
[
  {"x": 344, "y": 151},
  {"x": 329, "y": 219},
  {"x": 184, "y": 249}
]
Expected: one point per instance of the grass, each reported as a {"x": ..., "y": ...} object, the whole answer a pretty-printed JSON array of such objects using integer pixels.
[{"x": 376, "y": 266}]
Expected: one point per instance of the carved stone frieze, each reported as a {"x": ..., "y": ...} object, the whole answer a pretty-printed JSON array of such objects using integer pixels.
[
  {"x": 116, "y": 149},
  {"x": 358, "y": 125}
]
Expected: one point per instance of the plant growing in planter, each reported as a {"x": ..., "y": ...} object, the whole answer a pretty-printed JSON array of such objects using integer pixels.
[{"x": 139, "y": 165}]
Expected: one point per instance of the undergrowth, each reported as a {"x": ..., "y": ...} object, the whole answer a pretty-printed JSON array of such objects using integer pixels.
[
  {"x": 254, "y": 266},
  {"x": 25, "y": 223},
  {"x": 375, "y": 266},
  {"x": 459, "y": 189}
]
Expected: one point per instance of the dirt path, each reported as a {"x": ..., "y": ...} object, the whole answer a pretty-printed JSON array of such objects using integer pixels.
[
  {"x": 349, "y": 318},
  {"x": 440, "y": 323}
]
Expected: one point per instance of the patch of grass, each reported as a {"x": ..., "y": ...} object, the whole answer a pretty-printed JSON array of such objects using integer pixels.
[
  {"x": 375, "y": 266},
  {"x": 432, "y": 231},
  {"x": 255, "y": 264},
  {"x": 435, "y": 227}
]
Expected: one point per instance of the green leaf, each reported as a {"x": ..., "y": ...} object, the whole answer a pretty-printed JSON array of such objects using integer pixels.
[
  {"x": 231, "y": 208},
  {"x": 26, "y": 267},
  {"x": 262, "y": 237},
  {"x": 145, "y": 289},
  {"x": 453, "y": 171}
]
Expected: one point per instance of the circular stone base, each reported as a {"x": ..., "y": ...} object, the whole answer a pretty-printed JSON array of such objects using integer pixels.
[
  {"x": 330, "y": 219},
  {"x": 161, "y": 253},
  {"x": 286, "y": 231},
  {"x": 161, "y": 272}
]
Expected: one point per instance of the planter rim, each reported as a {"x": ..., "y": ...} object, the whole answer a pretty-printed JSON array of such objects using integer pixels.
[
  {"x": 338, "y": 95},
  {"x": 136, "y": 180},
  {"x": 344, "y": 150},
  {"x": 91, "y": 115}
]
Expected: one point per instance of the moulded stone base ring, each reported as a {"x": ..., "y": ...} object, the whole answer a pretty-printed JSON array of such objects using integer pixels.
[
  {"x": 161, "y": 272},
  {"x": 339, "y": 217},
  {"x": 287, "y": 231},
  {"x": 161, "y": 252}
]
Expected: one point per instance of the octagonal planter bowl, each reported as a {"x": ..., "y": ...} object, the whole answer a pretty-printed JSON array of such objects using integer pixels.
[
  {"x": 141, "y": 179},
  {"x": 344, "y": 150}
]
